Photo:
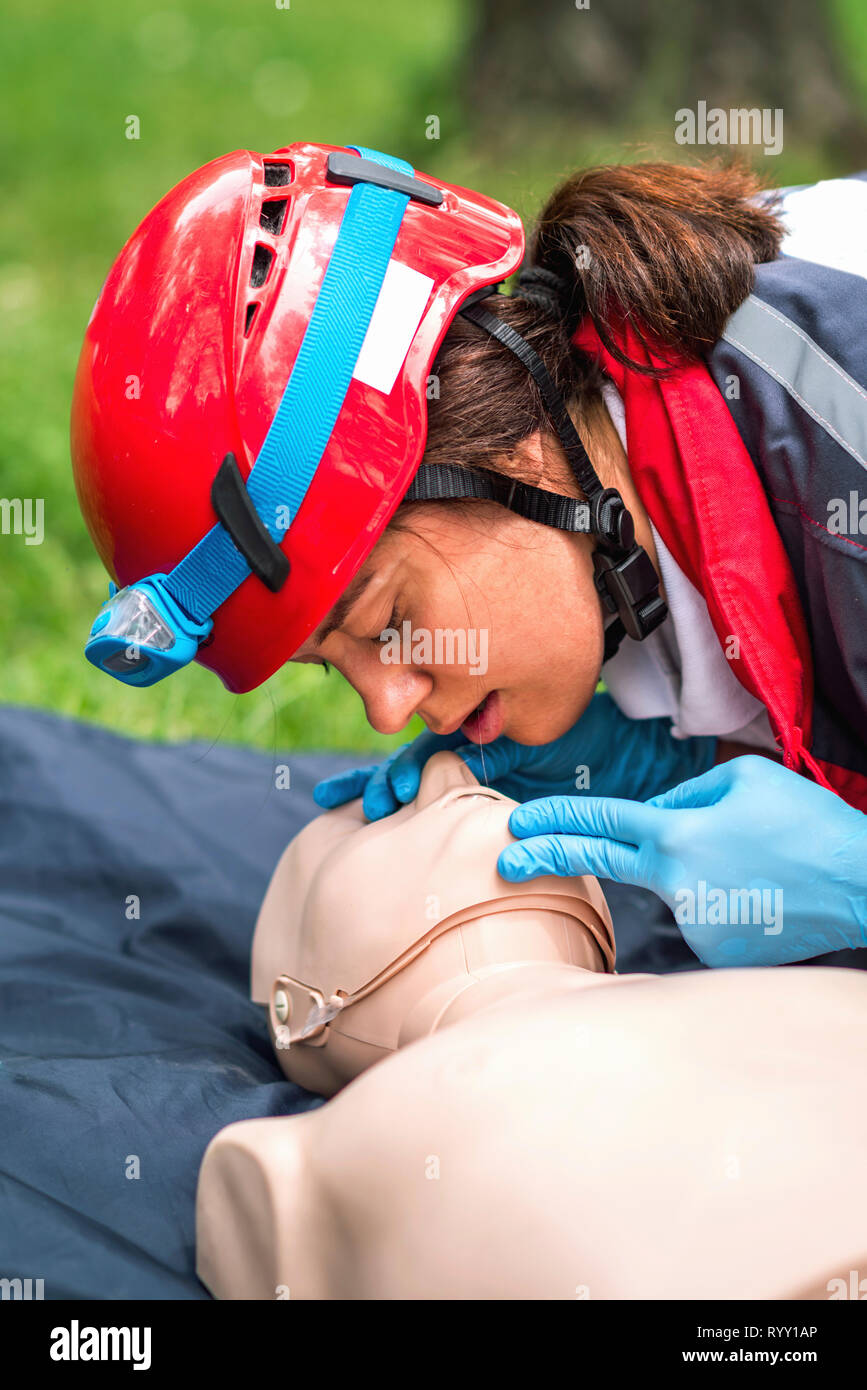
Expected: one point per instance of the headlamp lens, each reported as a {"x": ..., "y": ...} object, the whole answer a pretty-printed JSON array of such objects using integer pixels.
[
  {"x": 127, "y": 659},
  {"x": 133, "y": 617},
  {"x": 142, "y": 634}
]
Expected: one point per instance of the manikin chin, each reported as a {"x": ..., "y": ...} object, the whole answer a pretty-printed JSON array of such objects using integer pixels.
[{"x": 511, "y": 1118}]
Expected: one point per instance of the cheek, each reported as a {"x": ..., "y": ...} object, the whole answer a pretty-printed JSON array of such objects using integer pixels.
[
  {"x": 532, "y": 594},
  {"x": 549, "y": 654},
  {"x": 548, "y": 620},
  {"x": 560, "y": 653}
]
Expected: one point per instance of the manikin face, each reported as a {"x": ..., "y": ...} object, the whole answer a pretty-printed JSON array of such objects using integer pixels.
[{"x": 369, "y": 931}]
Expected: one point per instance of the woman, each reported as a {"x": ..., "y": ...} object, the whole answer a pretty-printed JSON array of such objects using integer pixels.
[{"x": 419, "y": 474}]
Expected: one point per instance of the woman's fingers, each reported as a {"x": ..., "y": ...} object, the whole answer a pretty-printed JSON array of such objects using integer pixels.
[
  {"x": 705, "y": 790},
  {"x": 567, "y": 835},
  {"x": 388, "y": 785},
  {"x": 569, "y": 855},
  {"x": 343, "y": 787},
  {"x": 606, "y": 816},
  {"x": 404, "y": 769},
  {"x": 379, "y": 799}
]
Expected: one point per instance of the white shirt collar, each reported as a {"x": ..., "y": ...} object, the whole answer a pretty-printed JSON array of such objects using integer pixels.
[{"x": 681, "y": 670}]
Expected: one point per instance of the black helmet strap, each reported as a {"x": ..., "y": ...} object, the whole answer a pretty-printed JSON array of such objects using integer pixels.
[{"x": 625, "y": 578}]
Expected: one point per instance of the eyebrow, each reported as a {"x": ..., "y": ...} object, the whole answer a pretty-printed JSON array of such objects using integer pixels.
[{"x": 340, "y": 611}]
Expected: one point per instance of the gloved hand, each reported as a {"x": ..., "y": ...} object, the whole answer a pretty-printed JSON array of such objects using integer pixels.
[
  {"x": 387, "y": 785},
  {"x": 605, "y": 753},
  {"x": 759, "y": 865}
]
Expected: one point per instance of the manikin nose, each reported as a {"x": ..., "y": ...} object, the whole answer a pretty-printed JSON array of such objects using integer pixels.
[{"x": 446, "y": 772}]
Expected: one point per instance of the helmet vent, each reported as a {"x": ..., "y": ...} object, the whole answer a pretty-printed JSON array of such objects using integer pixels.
[
  {"x": 262, "y": 258},
  {"x": 272, "y": 215},
  {"x": 251, "y": 314},
  {"x": 278, "y": 175}
]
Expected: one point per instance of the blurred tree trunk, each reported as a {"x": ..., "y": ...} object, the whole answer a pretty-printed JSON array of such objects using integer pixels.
[{"x": 627, "y": 65}]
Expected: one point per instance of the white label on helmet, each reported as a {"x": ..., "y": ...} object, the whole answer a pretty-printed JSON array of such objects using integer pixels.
[{"x": 396, "y": 316}]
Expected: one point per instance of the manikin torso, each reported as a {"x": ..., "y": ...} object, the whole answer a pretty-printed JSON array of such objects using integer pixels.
[{"x": 547, "y": 1129}]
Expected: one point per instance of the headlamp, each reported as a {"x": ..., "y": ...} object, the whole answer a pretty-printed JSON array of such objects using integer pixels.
[
  {"x": 142, "y": 634},
  {"x": 156, "y": 625}
]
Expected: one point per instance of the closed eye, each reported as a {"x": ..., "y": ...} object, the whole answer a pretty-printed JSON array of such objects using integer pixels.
[{"x": 393, "y": 624}]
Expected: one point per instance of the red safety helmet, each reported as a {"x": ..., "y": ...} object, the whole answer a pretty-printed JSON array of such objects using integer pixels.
[{"x": 186, "y": 357}]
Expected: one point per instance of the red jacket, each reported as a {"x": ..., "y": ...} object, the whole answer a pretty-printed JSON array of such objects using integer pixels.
[{"x": 707, "y": 500}]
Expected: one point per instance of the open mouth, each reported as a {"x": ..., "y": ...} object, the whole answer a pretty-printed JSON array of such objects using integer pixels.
[{"x": 485, "y": 723}]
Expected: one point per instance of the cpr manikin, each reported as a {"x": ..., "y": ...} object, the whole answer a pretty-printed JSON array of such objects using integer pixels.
[
  {"x": 528, "y": 1124},
  {"x": 429, "y": 918}
]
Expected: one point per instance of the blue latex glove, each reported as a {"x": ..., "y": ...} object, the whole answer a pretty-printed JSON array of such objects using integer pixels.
[
  {"x": 388, "y": 785},
  {"x": 605, "y": 753},
  {"x": 748, "y": 840}
]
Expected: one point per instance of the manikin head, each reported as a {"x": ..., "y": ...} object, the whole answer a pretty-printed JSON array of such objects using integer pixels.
[{"x": 370, "y": 933}]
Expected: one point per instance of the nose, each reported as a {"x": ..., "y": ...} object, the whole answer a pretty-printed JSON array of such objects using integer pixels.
[{"x": 392, "y": 695}]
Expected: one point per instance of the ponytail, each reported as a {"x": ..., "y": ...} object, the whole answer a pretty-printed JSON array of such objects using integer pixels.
[{"x": 672, "y": 247}]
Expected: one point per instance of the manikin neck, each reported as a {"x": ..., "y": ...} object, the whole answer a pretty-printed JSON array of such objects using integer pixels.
[{"x": 497, "y": 987}]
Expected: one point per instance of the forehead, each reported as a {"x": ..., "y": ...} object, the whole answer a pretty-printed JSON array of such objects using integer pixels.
[
  {"x": 377, "y": 571},
  {"x": 342, "y": 607},
  {"x": 404, "y": 548}
]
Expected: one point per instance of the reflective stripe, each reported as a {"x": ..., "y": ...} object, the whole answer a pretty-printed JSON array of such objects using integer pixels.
[{"x": 812, "y": 378}]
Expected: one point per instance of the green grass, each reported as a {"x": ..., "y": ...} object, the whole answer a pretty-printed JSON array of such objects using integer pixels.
[
  {"x": 210, "y": 76},
  {"x": 203, "y": 77}
]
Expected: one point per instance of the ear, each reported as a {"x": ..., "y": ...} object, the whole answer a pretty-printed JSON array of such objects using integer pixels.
[{"x": 444, "y": 772}]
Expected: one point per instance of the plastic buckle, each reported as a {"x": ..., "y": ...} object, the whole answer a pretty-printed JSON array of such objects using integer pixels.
[
  {"x": 611, "y": 520},
  {"x": 343, "y": 167},
  {"x": 630, "y": 588},
  {"x": 237, "y": 513},
  {"x": 299, "y": 1013}
]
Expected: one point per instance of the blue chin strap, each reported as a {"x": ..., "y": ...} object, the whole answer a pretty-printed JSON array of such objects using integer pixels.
[{"x": 155, "y": 626}]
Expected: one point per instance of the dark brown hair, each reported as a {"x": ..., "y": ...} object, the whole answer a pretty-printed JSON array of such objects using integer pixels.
[{"x": 673, "y": 247}]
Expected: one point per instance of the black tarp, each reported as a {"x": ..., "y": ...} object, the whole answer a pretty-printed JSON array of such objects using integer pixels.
[{"x": 127, "y": 1037}]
